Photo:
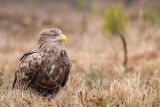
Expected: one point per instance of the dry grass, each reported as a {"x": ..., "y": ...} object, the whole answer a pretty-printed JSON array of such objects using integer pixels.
[
  {"x": 97, "y": 76},
  {"x": 128, "y": 91}
]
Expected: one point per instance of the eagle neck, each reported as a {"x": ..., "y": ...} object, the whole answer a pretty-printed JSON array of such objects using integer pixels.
[{"x": 51, "y": 47}]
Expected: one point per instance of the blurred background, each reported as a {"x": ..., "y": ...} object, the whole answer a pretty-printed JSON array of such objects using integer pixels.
[
  {"x": 91, "y": 27},
  {"x": 95, "y": 30}
]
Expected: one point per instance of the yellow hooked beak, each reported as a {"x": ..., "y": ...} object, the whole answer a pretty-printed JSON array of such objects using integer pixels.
[{"x": 63, "y": 38}]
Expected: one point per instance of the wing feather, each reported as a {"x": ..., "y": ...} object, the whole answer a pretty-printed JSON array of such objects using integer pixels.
[
  {"x": 30, "y": 64},
  {"x": 63, "y": 67},
  {"x": 65, "y": 77},
  {"x": 67, "y": 68}
]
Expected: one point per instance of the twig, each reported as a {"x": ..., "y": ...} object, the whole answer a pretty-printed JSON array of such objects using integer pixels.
[{"x": 125, "y": 51}]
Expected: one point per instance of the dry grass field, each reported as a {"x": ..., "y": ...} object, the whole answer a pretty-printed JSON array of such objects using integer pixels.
[{"x": 97, "y": 77}]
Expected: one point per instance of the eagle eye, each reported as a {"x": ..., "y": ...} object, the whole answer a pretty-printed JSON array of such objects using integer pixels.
[{"x": 56, "y": 34}]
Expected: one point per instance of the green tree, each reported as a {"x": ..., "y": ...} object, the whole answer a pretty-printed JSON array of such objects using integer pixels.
[{"x": 115, "y": 22}]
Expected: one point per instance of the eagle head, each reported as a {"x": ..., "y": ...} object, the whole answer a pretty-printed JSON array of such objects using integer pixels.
[{"x": 51, "y": 35}]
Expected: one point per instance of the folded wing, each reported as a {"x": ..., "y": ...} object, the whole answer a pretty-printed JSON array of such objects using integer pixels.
[{"x": 28, "y": 68}]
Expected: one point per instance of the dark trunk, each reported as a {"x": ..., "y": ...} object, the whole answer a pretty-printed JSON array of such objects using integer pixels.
[{"x": 125, "y": 51}]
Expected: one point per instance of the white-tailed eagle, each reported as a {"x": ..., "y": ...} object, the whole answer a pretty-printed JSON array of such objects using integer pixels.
[{"x": 46, "y": 69}]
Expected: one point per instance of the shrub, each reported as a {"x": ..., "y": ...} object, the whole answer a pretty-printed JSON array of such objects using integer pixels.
[
  {"x": 115, "y": 23},
  {"x": 114, "y": 20}
]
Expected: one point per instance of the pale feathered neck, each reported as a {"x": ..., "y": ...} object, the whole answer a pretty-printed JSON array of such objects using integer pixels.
[{"x": 46, "y": 43}]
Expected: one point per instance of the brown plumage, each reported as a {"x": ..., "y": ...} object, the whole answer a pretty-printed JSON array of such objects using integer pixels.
[{"x": 45, "y": 70}]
